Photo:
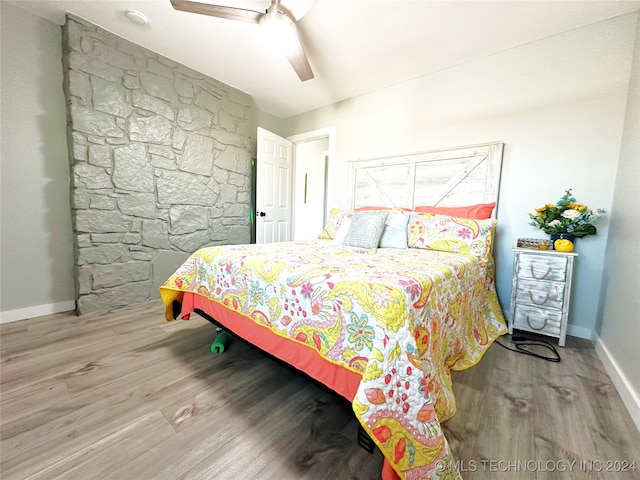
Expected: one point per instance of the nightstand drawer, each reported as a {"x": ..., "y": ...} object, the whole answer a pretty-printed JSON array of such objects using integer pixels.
[
  {"x": 540, "y": 320},
  {"x": 542, "y": 267},
  {"x": 541, "y": 294}
]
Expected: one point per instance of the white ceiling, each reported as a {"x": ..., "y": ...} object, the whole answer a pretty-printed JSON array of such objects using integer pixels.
[{"x": 354, "y": 46}]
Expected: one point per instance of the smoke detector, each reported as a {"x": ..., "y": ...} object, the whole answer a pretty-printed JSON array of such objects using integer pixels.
[{"x": 137, "y": 17}]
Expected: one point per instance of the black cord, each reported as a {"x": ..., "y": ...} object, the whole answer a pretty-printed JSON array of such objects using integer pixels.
[{"x": 522, "y": 342}]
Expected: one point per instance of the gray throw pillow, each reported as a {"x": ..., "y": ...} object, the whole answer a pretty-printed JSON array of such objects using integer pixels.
[{"x": 366, "y": 229}]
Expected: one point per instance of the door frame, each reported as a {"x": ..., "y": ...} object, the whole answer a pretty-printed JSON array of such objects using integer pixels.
[{"x": 328, "y": 133}]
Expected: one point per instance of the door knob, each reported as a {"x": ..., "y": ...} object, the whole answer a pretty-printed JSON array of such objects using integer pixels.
[{"x": 262, "y": 214}]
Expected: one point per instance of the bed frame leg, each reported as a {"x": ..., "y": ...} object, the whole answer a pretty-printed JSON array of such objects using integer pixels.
[
  {"x": 176, "y": 309},
  {"x": 364, "y": 440}
]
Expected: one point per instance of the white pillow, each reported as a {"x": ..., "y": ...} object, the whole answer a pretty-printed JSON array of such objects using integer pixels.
[{"x": 341, "y": 234}]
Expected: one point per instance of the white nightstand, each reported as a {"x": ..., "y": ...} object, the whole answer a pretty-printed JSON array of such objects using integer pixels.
[{"x": 541, "y": 292}]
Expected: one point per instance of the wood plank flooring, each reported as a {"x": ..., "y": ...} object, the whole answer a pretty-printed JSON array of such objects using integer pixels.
[{"x": 127, "y": 395}]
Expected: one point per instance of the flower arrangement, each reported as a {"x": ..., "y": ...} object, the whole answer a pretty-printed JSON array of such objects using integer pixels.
[{"x": 566, "y": 216}]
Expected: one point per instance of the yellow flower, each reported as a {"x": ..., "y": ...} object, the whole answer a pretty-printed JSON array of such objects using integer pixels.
[{"x": 577, "y": 206}]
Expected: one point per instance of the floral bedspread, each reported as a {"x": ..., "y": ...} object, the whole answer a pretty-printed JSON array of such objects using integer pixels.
[{"x": 401, "y": 318}]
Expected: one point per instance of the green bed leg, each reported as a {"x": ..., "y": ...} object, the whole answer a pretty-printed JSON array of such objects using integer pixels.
[{"x": 220, "y": 343}]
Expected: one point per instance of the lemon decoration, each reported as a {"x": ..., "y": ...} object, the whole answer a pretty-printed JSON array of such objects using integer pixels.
[{"x": 563, "y": 245}]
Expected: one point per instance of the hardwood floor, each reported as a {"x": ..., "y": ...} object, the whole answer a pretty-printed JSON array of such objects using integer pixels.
[
  {"x": 520, "y": 417},
  {"x": 129, "y": 396}
]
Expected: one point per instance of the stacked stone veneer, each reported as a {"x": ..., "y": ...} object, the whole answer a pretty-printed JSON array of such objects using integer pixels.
[{"x": 160, "y": 165}]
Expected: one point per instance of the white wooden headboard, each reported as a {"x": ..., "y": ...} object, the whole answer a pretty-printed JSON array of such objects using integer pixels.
[{"x": 446, "y": 178}]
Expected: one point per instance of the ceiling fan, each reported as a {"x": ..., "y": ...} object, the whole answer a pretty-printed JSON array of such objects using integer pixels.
[{"x": 278, "y": 20}]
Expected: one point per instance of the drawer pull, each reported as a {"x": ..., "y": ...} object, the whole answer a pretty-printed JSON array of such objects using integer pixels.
[
  {"x": 533, "y": 273},
  {"x": 538, "y": 303},
  {"x": 537, "y": 328}
]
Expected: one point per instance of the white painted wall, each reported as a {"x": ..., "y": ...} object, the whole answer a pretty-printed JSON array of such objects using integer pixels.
[
  {"x": 618, "y": 327},
  {"x": 36, "y": 245},
  {"x": 559, "y": 106}
]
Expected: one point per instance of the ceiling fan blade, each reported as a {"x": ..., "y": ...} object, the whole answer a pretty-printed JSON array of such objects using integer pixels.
[
  {"x": 296, "y": 9},
  {"x": 298, "y": 60},
  {"x": 221, "y": 11}
]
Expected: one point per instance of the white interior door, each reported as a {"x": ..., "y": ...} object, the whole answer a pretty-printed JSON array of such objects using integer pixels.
[{"x": 273, "y": 188}]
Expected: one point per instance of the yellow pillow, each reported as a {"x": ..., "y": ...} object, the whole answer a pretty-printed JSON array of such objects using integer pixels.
[{"x": 451, "y": 234}]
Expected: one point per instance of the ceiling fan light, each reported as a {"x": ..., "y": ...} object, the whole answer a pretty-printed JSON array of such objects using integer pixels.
[{"x": 278, "y": 32}]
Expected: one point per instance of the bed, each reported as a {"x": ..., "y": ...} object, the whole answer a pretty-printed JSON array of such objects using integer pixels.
[{"x": 394, "y": 294}]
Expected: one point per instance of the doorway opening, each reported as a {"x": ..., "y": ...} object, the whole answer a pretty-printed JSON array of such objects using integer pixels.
[
  {"x": 313, "y": 153},
  {"x": 291, "y": 180}
]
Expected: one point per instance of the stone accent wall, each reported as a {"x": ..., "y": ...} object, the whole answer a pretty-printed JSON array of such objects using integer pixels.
[{"x": 160, "y": 165}]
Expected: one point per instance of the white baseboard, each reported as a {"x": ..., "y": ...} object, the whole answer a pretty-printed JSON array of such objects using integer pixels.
[
  {"x": 629, "y": 396},
  {"x": 36, "y": 311}
]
